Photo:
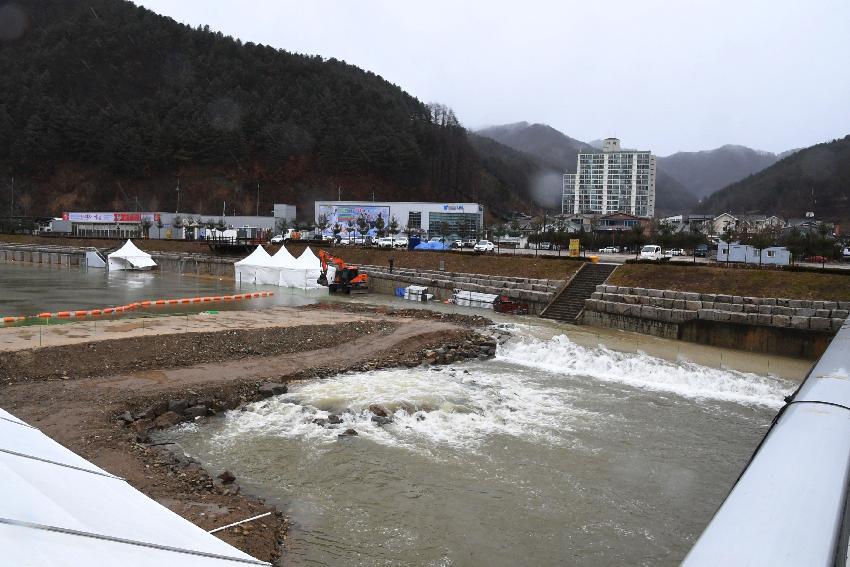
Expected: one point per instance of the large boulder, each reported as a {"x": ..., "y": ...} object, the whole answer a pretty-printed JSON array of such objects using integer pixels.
[
  {"x": 195, "y": 411},
  {"x": 168, "y": 419},
  {"x": 379, "y": 410},
  {"x": 227, "y": 477},
  {"x": 178, "y": 406},
  {"x": 270, "y": 389}
]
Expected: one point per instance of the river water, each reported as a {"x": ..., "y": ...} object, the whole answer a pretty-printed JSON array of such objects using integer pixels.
[
  {"x": 551, "y": 454},
  {"x": 29, "y": 289}
]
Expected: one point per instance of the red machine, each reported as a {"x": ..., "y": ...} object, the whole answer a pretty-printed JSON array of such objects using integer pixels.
[
  {"x": 505, "y": 304},
  {"x": 347, "y": 278}
]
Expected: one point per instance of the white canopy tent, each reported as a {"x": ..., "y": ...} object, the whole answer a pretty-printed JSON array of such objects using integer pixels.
[
  {"x": 282, "y": 269},
  {"x": 303, "y": 273},
  {"x": 257, "y": 268},
  {"x": 101, "y": 521},
  {"x": 283, "y": 258},
  {"x": 128, "y": 257}
]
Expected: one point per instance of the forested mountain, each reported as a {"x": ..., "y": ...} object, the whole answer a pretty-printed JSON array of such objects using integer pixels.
[
  {"x": 813, "y": 179},
  {"x": 705, "y": 172},
  {"x": 512, "y": 168},
  {"x": 106, "y": 105},
  {"x": 550, "y": 146},
  {"x": 557, "y": 151}
]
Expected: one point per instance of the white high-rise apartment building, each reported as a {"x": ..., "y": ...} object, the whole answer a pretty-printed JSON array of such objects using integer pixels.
[{"x": 611, "y": 181}]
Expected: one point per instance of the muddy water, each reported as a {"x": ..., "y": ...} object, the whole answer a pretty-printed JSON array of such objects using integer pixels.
[
  {"x": 27, "y": 289},
  {"x": 551, "y": 454}
]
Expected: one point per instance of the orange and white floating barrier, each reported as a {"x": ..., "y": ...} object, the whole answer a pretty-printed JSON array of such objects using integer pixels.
[{"x": 79, "y": 314}]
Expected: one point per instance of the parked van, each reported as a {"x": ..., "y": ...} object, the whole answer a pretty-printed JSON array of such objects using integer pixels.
[{"x": 651, "y": 252}]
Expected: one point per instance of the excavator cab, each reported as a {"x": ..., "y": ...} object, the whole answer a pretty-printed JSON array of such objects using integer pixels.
[{"x": 347, "y": 279}]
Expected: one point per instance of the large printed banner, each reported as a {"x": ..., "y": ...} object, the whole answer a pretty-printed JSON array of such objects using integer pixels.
[
  {"x": 110, "y": 217},
  {"x": 343, "y": 213}
]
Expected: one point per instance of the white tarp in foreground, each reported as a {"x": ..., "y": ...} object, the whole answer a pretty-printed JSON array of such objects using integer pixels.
[
  {"x": 128, "y": 257},
  {"x": 101, "y": 520},
  {"x": 282, "y": 269}
]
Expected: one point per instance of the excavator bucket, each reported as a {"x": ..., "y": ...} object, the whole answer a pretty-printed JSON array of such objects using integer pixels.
[{"x": 323, "y": 279}]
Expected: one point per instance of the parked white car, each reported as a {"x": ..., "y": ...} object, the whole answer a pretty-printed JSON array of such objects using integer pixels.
[
  {"x": 277, "y": 239},
  {"x": 651, "y": 252},
  {"x": 484, "y": 246},
  {"x": 677, "y": 252},
  {"x": 609, "y": 250}
]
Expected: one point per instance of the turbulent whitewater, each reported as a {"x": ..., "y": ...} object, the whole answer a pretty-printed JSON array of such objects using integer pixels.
[
  {"x": 562, "y": 356},
  {"x": 550, "y": 454}
]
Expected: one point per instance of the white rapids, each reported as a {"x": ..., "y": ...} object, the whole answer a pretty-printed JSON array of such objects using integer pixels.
[
  {"x": 560, "y": 355},
  {"x": 460, "y": 407},
  {"x": 457, "y": 407}
]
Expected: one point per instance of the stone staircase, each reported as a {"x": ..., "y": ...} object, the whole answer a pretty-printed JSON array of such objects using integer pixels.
[{"x": 569, "y": 303}]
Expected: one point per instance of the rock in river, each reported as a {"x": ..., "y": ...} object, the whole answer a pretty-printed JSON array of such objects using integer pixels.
[{"x": 271, "y": 389}]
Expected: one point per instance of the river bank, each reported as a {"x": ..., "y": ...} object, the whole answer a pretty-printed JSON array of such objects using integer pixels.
[{"x": 102, "y": 397}]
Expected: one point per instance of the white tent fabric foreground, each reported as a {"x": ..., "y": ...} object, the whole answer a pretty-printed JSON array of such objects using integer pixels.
[
  {"x": 101, "y": 520},
  {"x": 282, "y": 269},
  {"x": 128, "y": 257}
]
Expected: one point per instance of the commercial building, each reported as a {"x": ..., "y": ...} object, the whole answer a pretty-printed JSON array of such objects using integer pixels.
[
  {"x": 443, "y": 219},
  {"x": 160, "y": 225},
  {"x": 611, "y": 181}
]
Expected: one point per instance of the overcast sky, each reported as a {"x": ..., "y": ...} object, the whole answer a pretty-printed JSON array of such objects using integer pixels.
[{"x": 661, "y": 75}]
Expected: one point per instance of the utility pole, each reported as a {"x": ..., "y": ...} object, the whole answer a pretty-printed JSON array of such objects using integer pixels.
[
  {"x": 339, "y": 193},
  {"x": 12, "y": 199},
  {"x": 258, "y": 198},
  {"x": 178, "y": 197}
]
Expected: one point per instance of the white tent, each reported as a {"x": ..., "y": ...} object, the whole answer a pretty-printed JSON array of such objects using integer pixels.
[
  {"x": 101, "y": 520},
  {"x": 303, "y": 272},
  {"x": 257, "y": 268},
  {"x": 282, "y": 269},
  {"x": 128, "y": 257},
  {"x": 283, "y": 259}
]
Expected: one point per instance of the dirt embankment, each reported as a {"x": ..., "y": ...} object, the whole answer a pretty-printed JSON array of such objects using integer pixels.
[
  {"x": 101, "y": 399},
  {"x": 175, "y": 351},
  {"x": 735, "y": 281}
]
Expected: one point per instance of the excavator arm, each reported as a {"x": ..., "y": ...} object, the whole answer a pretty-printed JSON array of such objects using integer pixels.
[{"x": 347, "y": 278}]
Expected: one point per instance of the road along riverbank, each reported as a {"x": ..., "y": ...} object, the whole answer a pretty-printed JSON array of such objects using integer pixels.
[{"x": 101, "y": 396}]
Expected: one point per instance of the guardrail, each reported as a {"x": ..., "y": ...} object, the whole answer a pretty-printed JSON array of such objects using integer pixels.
[{"x": 790, "y": 505}]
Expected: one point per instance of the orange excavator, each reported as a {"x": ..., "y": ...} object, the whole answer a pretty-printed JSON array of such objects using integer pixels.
[{"x": 346, "y": 279}]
